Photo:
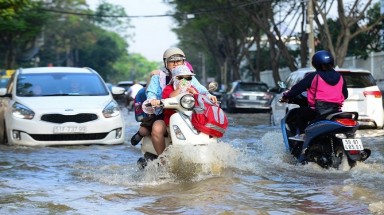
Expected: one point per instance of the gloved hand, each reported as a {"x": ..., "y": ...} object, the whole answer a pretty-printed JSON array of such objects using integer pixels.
[{"x": 282, "y": 100}]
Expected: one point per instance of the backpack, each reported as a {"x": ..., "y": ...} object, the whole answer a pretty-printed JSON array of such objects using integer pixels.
[
  {"x": 139, "y": 99},
  {"x": 208, "y": 117}
]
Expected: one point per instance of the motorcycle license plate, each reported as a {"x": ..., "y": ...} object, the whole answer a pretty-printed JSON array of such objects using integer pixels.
[{"x": 353, "y": 144}]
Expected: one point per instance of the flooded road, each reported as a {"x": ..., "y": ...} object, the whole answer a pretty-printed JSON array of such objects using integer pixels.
[{"x": 258, "y": 178}]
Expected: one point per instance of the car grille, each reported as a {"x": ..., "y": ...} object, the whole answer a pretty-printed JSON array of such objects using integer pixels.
[
  {"x": 68, "y": 137},
  {"x": 60, "y": 118}
]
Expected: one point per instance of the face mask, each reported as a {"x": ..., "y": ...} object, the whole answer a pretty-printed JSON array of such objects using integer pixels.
[{"x": 182, "y": 84}]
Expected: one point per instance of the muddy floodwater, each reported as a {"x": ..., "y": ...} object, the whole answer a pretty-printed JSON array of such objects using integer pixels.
[{"x": 255, "y": 175}]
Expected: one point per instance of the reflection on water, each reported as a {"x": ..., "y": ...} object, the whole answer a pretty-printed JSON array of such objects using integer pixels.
[{"x": 251, "y": 173}]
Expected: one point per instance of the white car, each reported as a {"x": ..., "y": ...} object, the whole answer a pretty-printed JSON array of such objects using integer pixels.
[
  {"x": 364, "y": 96},
  {"x": 59, "y": 106}
]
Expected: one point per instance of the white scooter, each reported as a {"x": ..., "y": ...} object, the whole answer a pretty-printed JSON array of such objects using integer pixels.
[{"x": 181, "y": 134}]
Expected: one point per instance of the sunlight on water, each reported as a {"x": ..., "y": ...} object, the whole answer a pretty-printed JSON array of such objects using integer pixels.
[
  {"x": 360, "y": 182},
  {"x": 261, "y": 158},
  {"x": 369, "y": 133},
  {"x": 178, "y": 164},
  {"x": 377, "y": 207},
  {"x": 270, "y": 151}
]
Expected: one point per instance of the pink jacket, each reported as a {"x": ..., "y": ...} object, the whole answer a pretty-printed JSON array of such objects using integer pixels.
[{"x": 325, "y": 92}]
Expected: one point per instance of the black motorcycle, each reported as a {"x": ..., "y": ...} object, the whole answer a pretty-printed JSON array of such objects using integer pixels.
[{"x": 327, "y": 141}]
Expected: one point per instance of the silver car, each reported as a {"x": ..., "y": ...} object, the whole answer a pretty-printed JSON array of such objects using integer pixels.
[{"x": 247, "y": 95}]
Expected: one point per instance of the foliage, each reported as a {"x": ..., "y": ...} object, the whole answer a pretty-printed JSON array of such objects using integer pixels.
[
  {"x": 113, "y": 18},
  {"x": 9, "y": 9},
  {"x": 67, "y": 33},
  {"x": 133, "y": 67},
  {"x": 230, "y": 37},
  {"x": 102, "y": 54},
  {"x": 353, "y": 21},
  {"x": 21, "y": 27}
]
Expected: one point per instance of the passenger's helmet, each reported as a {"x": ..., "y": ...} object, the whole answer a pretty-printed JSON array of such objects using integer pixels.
[
  {"x": 322, "y": 58},
  {"x": 173, "y": 52}
]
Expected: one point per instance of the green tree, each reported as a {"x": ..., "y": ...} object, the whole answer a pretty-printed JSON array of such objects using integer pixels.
[
  {"x": 212, "y": 33},
  {"x": 20, "y": 26},
  {"x": 133, "y": 67},
  {"x": 352, "y": 22},
  {"x": 77, "y": 36},
  {"x": 112, "y": 18},
  {"x": 102, "y": 54},
  {"x": 66, "y": 33}
]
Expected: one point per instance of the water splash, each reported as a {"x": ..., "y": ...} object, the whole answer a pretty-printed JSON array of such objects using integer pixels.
[{"x": 189, "y": 163}]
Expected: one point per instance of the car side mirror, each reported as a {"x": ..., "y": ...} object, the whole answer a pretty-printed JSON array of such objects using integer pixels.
[{"x": 3, "y": 92}]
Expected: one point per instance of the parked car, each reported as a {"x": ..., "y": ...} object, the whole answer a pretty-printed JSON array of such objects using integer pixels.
[
  {"x": 4, "y": 81},
  {"x": 380, "y": 84},
  {"x": 247, "y": 95},
  {"x": 364, "y": 96},
  {"x": 5, "y": 75},
  {"x": 125, "y": 84},
  {"x": 59, "y": 106},
  {"x": 124, "y": 99}
]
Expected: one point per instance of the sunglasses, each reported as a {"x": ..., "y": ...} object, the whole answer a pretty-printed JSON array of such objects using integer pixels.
[
  {"x": 177, "y": 62},
  {"x": 186, "y": 78}
]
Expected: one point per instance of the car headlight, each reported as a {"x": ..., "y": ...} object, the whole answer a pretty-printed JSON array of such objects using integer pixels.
[
  {"x": 111, "y": 110},
  {"x": 187, "y": 101},
  {"x": 22, "y": 112}
]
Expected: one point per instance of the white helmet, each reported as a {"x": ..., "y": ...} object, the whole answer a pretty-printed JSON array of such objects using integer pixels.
[{"x": 169, "y": 54}]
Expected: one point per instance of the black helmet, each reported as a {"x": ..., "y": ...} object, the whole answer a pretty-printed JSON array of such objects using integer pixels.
[{"x": 322, "y": 58}]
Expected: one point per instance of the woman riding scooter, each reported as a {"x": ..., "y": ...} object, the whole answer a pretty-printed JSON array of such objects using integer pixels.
[{"x": 326, "y": 92}]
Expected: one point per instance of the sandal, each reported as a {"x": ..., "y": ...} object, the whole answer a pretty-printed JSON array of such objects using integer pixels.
[{"x": 136, "y": 138}]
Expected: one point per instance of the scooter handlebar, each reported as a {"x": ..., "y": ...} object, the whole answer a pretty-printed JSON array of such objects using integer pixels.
[{"x": 150, "y": 105}]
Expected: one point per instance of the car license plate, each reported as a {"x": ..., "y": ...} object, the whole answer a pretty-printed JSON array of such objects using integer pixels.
[
  {"x": 69, "y": 129},
  {"x": 252, "y": 97},
  {"x": 353, "y": 144}
]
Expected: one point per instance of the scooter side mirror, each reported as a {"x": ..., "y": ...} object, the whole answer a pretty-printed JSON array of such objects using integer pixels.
[
  {"x": 213, "y": 86},
  {"x": 282, "y": 85}
]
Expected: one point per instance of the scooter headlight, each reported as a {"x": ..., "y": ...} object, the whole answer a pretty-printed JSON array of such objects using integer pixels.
[{"x": 187, "y": 102}]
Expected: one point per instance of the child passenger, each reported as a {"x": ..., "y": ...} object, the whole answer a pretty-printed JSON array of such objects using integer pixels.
[
  {"x": 180, "y": 83},
  {"x": 146, "y": 124}
]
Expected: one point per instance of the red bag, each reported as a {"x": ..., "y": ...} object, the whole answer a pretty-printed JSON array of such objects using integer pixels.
[{"x": 208, "y": 117}]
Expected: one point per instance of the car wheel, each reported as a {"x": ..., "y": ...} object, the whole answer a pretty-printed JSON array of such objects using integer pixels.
[{"x": 230, "y": 109}]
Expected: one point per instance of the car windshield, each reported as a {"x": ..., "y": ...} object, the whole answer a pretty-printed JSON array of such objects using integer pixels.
[
  {"x": 251, "y": 87},
  {"x": 60, "y": 84},
  {"x": 358, "y": 79}
]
